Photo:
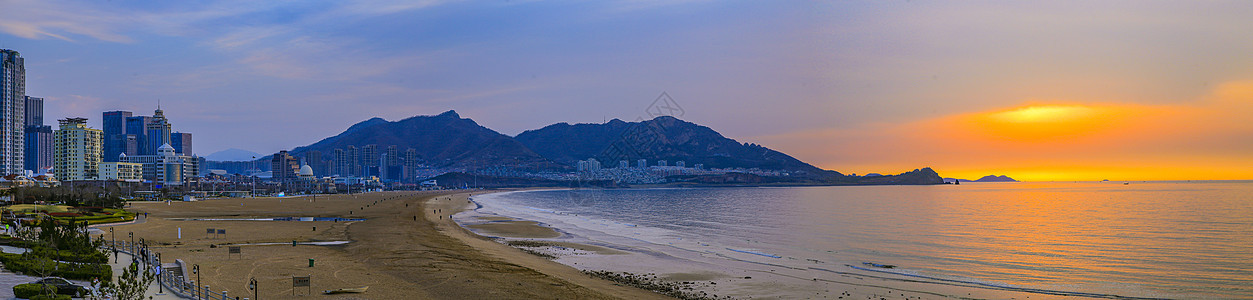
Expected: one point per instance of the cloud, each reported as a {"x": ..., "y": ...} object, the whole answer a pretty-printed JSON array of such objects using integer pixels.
[{"x": 48, "y": 19}]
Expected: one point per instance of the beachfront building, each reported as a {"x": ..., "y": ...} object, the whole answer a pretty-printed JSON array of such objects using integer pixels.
[
  {"x": 122, "y": 171},
  {"x": 76, "y": 153},
  {"x": 166, "y": 167}
]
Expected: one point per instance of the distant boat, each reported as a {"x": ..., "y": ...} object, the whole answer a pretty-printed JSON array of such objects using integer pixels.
[
  {"x": 346, "y": 291},
  {"x": 1126, "y": 183}
]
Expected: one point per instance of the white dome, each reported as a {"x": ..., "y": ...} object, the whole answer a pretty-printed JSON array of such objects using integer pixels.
[{"x": 306, "y": 170}]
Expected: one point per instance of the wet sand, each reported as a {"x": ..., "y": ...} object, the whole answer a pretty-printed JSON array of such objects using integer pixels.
[
  {"x": 408, "y": 248},
  {"x": 519, "y": 229}
]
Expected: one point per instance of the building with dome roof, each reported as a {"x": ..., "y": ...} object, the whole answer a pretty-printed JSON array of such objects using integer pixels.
[
  {"x": 167, "y": 167},
  {"x": 305, "y": 171},
  {"x": 296, "y": 176}
]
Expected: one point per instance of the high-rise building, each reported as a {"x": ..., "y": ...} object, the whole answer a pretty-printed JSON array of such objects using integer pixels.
[
  {"x": 38, "y": 148},
  {"x": 370, "y": 160},
  {"x": 12, "y": 112},
  {"x": 181, "y": 142},
  {"x": 76, "y": 155},
  {"x": 157, "y": 131},
  {"x": 138, "y": 127},
  {"x": 392, "y": 169},
  {"x": 354, "y": 161},
  {"x": 116, "y": 137},
  {"x": 314, "y": 159},
  {"x": 411, "y": 165},
  {"x": 37, "y": 151},
  {"x": 341, "y": 162},
  {"x": 641, "y": 163},
  {"x": 284, "y": 167},
  {"x": 34, "y": 111}
]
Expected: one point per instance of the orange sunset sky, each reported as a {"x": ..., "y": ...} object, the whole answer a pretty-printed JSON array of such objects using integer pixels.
[{"x": 1207, "y": 138}]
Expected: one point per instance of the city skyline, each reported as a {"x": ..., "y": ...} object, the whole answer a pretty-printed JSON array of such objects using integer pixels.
[{"x": 1051, "y": 92}]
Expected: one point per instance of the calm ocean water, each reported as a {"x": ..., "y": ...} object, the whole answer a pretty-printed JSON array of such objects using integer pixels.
[{"x": 1156, "y": 239}]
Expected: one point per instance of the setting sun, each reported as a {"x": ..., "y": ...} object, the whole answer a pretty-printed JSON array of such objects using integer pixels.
[{"x": 1044, "y": 114}]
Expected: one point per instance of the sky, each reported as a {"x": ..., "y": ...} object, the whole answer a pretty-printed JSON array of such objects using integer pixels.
[{"x": 1056, "y": 90}]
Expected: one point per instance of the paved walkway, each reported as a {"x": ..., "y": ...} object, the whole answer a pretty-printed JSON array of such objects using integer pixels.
[{"x": 123, "y": 261}]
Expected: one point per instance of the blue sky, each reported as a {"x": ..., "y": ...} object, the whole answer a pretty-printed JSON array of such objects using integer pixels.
[{"x": 813, "y": 79}]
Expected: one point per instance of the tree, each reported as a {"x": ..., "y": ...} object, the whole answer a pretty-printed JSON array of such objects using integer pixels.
[{"x": 131, "y": 285}]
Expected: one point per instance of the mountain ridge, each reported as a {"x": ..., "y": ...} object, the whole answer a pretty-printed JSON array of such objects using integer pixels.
[{"x": 449, "y": 141}]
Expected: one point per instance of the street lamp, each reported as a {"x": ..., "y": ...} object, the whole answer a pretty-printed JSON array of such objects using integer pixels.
[
  {"x": 252, "y": 285},
  {"x": 132, "y": 234},
  {"x": 195, "y": 269},
  {"x": 254, "y": 177}
]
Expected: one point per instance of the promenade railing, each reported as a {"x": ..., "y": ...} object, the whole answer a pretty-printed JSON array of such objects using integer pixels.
[{"x": 175, "y": 282}]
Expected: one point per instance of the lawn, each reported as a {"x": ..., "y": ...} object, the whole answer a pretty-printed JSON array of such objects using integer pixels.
[{"x": 66, "y": 213}]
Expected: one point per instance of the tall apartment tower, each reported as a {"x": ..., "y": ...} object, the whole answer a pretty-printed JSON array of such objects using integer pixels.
[
  {"x": 354, "y": 161},
  {"x": 34, "y": 112},
  {"x": 370, "y": 160},
  {"x": 411, "y": 165},
  {"x": 38, "y": 140},
  {"x": 341, "y": 162},
  {"x": 38, "y": 148},
  {"x": 314, "y": 159},
  {"x": 12, "y": 112},
  {"x": 76, "y": 155},
  {"x": 117, "y": 140},
  {"x": 392, "y": 169}
]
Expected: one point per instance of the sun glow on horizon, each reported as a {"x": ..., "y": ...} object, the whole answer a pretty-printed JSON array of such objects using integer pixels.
[
  {"x": 1208, "y": 138},
  {"x": 1043, "y": 114}
]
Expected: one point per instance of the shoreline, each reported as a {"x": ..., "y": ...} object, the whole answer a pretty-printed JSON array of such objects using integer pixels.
[{"x": 717, "y": 274}]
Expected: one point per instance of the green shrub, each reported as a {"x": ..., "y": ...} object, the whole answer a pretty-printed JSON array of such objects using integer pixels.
[
  {"x": 46, "y": 297},
  {"x": 29, "y": 290},
  {"x": 26, "y": 265}
]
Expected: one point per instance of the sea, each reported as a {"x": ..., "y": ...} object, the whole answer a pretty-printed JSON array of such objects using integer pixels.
[{"x": 1157, "y": 240}]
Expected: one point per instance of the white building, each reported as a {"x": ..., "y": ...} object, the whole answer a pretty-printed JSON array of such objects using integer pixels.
[
  {"x": 122, "y": 171},
  {"x": 166, "y": 167}
]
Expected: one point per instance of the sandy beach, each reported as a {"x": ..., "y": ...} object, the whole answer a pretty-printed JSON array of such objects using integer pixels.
[{"x": 407, "y": 248}]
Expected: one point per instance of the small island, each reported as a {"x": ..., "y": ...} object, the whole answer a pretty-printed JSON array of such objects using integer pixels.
[{"x": 989, "y": 178}]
